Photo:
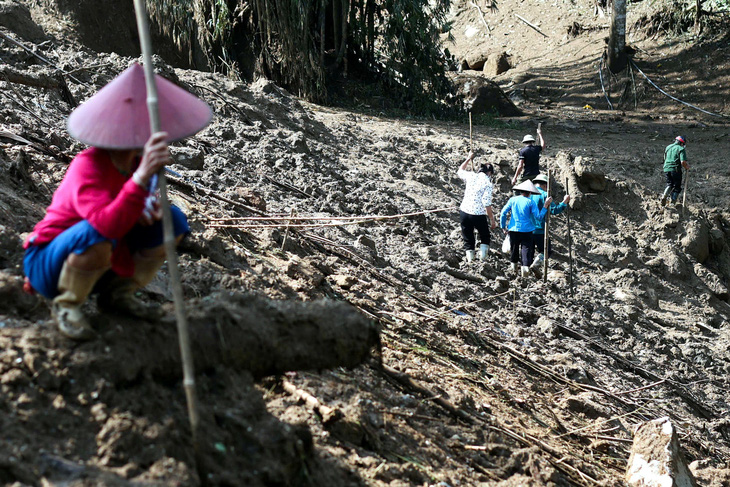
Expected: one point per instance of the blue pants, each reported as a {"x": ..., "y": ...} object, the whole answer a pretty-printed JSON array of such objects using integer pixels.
[{"x": 43, "y": 263}]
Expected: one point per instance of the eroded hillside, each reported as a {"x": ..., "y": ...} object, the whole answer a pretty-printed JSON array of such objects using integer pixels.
[{"x": 481, "y": 378}]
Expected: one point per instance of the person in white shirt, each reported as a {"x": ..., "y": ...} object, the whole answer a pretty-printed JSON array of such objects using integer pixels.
[{"x": 476, "y": 207}]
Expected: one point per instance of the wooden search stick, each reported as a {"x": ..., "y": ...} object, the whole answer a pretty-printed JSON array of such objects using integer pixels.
[
  {"x": 684, "y": 195},
  {"x": 169, "y": 242},
  {"x": 547, "y": 235},
  {"x": 471, "y": 144}
]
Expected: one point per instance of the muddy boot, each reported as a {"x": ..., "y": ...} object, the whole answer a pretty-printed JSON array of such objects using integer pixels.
[
  {"x": 525, "y": 271},
  {"x": 119, "y": 295},
  {"x": 483, "y": 251},
  {"x": 515, "y": 267},
  {"x": 665, "y": 196},
  {"x": 74, "y": 286},
  {"x": 469, "y": 255}
]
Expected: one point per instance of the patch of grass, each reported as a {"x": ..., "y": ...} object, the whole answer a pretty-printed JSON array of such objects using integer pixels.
[{"x": 493, "y": 120}]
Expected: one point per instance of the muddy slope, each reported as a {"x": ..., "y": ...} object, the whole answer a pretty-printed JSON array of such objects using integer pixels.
[{"x": 482, "y": 377}]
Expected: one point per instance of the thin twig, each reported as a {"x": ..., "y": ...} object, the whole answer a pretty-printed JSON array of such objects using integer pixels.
[
  {"x": 642, "y": 388},
  {"x": 331, "y": 218},
  {"x": 528, "y": 23}
]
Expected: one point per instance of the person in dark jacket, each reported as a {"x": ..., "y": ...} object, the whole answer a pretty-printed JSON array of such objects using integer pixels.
[{"x": 529, "y": 162}]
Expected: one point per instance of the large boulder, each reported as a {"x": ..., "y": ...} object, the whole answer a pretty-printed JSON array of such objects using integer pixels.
[
  {"x": 481, "y": 95},
  {"x": 496, "y": 64},
  {"x": 656, "y": 460},
  {"x": 474, "y": 60}
]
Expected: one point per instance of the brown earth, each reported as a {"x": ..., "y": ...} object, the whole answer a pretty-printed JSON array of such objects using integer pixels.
[{"x": 486, "y": 379}]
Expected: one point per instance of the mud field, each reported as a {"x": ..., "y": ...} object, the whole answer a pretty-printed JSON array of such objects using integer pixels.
[{"x": 437, "y": 372}]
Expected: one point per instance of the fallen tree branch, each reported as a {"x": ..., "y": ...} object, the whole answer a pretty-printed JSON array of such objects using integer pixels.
[
  {"x": 481, "y": 15},
  {"x": 529, "y": 24}
]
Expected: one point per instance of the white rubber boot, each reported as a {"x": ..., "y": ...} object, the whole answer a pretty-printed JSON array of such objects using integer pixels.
[
  {"x": 525, "y": 271},
  {"x": 515, "y": 266},
  {"x": 483, "y": 251},
  {"x": 469, "y": 255},
  {"x": 74, "y": 286}
]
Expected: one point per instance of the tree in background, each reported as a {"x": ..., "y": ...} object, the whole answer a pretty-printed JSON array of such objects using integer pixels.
[
  {"x": 307, "y": 45},
  {"x": 617, "y": 58}
]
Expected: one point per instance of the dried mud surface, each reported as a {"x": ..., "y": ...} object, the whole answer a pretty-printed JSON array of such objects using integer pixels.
[{"x": 482, "y": 378}]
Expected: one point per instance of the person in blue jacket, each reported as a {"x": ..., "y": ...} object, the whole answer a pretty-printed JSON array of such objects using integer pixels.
[
  {"x": 523, "y": 215},
  {"x": 555, "y": 209}
]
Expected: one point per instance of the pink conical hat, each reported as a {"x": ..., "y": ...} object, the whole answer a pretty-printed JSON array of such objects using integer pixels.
[{"x": 117, "y": 117}]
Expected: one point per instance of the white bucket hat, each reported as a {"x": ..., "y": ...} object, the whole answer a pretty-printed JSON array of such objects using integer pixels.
[
  {"x": 540, "y": 178},
  {"x": 528, "y": 138}
]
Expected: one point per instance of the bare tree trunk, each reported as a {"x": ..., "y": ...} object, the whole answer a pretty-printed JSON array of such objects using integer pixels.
[
  {"x": 322, "y": 18},
  {"x": 617, "y": 39},
  {"x": 343, "y": 45},
  {"x": 698, "y": 15},
  {"x": 370, "y": 32},
  {"x": 336, "y": 19}
]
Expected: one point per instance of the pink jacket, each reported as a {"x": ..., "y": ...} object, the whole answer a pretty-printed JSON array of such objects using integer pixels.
[{"x": 94, "y": 190}]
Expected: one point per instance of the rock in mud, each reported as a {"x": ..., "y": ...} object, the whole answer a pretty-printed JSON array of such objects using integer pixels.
[
  {"x": 188, "y": 157},
  {"x": 712, "y": 281},
  {"x": 496, "y": 64},
  {"x": 696, "y": 241},
  {"x": 484, "y": 96},
  {"x": 589, "y": 175},
  {"x": 656, "y": 459}
]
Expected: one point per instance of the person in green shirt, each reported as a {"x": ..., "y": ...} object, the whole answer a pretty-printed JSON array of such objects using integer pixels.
[{"x": 675, "y": 159}]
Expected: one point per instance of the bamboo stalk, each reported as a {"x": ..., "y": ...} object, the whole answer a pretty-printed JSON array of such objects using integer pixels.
[
  {"x": 570, "y": 245},
  {"x": 286, "y": 233},
  {"x": 471, "y": 144},
  {"x": 331, "y": 218},
  {"x": 547, "y": 234},
  {"x": 684, "y": 195},
  {"x": 170, "y": 244}
]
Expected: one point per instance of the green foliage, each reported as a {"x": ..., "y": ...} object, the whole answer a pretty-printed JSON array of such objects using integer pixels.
[
  {"x": 174, "y": 19},
  {"x": 306, "y": 45},
  {"x": 679, "y": 16},
  {"x": 493, "y": 120}
]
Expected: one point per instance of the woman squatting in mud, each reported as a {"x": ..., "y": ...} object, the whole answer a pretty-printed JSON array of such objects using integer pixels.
[
  {"x": 103, "y": 231},
  {"x": 476, "y": 207},
  {"x": 524, "y": 217}
]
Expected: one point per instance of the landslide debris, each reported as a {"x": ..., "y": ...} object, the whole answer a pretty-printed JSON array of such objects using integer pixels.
[{"x": 485, "y": 377}]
